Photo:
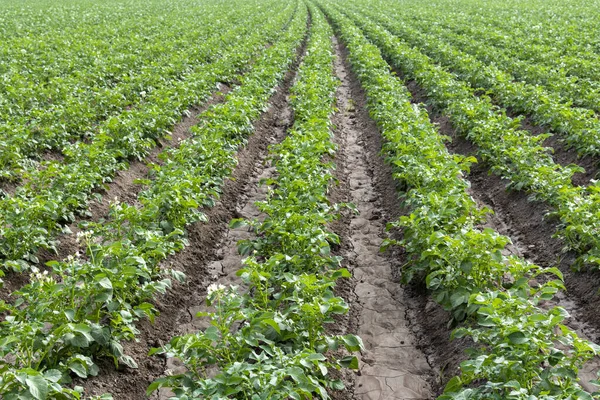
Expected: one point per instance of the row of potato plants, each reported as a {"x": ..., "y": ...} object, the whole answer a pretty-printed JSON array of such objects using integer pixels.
[
  {"x": 54, "y": 195},
  {"x": 513, "y": 154},
  {"x": 87, "y": 304},
  {"x": 581, "y": 91},
  {"x": 567, "y": 41},
  {"x": 266, "y": 339},
  {"x": 579, "y": 127},
  {"x": 522, "y": 349},
  {"x": 68, "y": 108},
  {"x": 558, "y": 47}
]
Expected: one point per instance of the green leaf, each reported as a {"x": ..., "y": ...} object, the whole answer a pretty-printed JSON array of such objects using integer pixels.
[
  {"x": 53, "y": 375},
  {"x": 38, "y": 387},
  {"x": 350, "y": 362},
  {"x": 127, "y": 360},
  {"x": 342, "y": 273},
  {"x": 70, "y": 314},
  {"x": 453, "y": 385},
  {"x": 212, "y": 333},
  {"x": 316, "y": 357},
  {"x": 459, "y": 298},
  {"x": 238, "y": 223},
  {"x": 352, "y": 342},
  {"x": 105, "y": 283},
  {"x": 297, "y": 374},
  {"x": 273, "y": 324},
  {"x": 337, "y": 385},
  {"x": 78, "y": 369},
  {"x": 518, "y": 338},
  {"x": 157, "y": 384}
]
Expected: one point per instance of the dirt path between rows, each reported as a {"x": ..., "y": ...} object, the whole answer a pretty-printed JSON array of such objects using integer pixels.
[
  {"x": 211, "y": 255},
  {"x": 392, "y": 365}
]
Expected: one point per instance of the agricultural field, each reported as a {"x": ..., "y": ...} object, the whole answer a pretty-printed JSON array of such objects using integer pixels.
[{"x": 299, "y": 199}]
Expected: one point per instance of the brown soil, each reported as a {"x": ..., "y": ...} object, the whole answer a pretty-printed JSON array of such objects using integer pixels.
[
  {"x": 394, "y": 363},
  {"x": 7, "y": 188},
  {"x": 532, "y": 235},
  {"x": 428, "y": 321},
  {"x": 223, "y": 270},
  {"x": 201, "y": 261}
]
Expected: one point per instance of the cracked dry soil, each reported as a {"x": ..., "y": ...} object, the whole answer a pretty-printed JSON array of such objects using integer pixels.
[{"x": 392, "y": 366}]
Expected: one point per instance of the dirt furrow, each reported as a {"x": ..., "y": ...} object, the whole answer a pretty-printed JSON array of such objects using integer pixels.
[
  {"x": 223, "y": 270},
  {"x": 392, "y": 366},
  {"x": 210, "y": 255}
]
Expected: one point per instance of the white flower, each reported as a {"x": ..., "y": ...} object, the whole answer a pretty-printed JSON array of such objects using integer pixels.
[{"x": 215, "y": 288}]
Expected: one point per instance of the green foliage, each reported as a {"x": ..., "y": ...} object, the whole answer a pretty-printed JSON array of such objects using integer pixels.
[
  {"x": 268, "y": 341},
  {"x": 63, "y": 320},
  {"x": 523, "y": 351},
  {"x": 57, "y": 191}
]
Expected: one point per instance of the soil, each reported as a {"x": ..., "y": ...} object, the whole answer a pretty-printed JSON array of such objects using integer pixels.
[
  {"x": 123, "y": 186},
  {"x": 7, "y": 188},
  {"x": 210, "y": 255},
  {"x": 393, "y": 364},
  {"x": 430, "y": 357}
]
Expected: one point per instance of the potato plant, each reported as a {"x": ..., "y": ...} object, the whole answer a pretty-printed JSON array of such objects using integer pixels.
[
  {"x": 103, "y": 293},
  {"x": 523, "y": 349},
  {"x": 268, "y": 341}
]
